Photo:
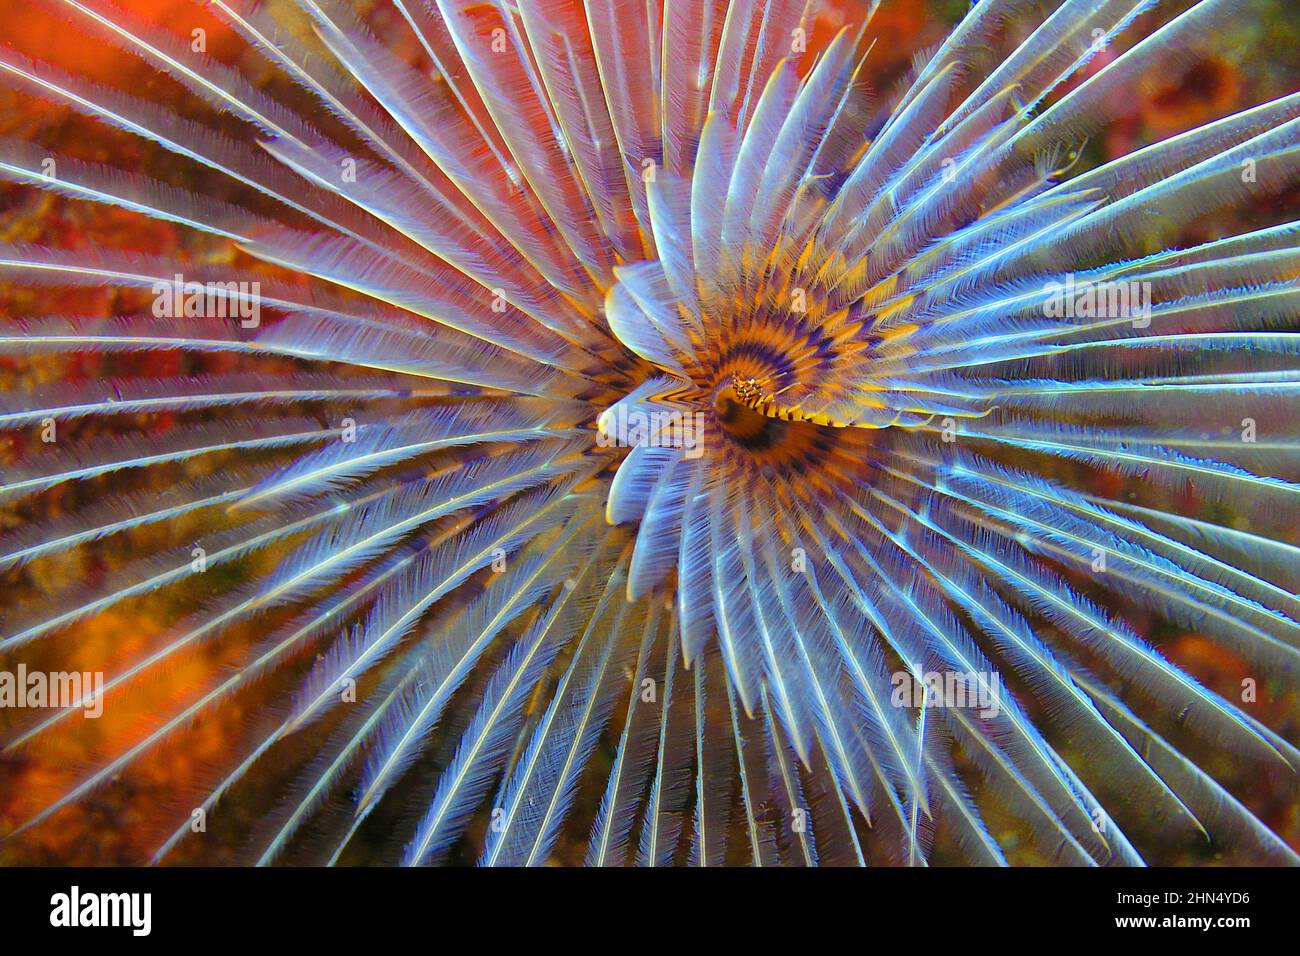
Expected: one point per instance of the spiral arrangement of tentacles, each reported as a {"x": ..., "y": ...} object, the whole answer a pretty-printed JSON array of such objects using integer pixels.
[{"x": 591, "y": 423}]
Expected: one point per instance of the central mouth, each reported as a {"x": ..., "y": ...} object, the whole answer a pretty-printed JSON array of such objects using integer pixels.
[{"x": 745, "y": 426}]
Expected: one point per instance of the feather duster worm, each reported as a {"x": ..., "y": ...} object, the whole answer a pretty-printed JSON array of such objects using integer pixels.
[{"x": 626, "y": 432}]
